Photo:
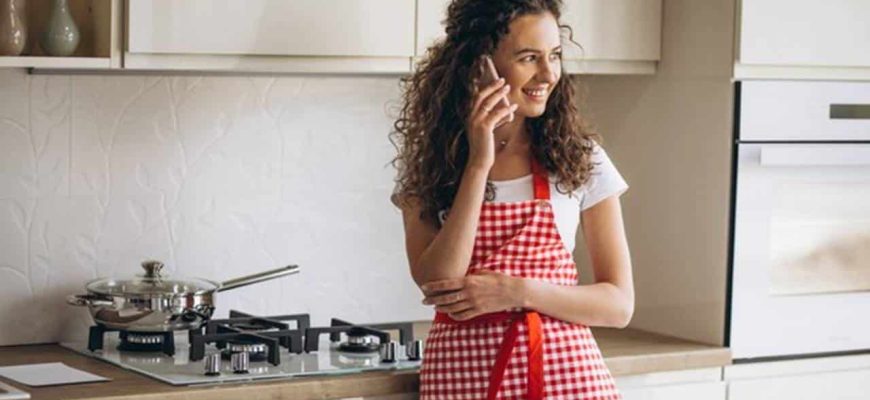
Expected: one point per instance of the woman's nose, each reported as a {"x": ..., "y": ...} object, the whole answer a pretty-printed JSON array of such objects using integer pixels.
[{"x": 547, "y": 72}]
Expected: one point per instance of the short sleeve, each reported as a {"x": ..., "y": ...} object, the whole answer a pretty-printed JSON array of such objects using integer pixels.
[{"x": 604, "y": 182}]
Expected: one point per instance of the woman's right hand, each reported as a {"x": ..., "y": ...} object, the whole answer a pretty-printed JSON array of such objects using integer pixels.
[{"x": 487, "y": 109}]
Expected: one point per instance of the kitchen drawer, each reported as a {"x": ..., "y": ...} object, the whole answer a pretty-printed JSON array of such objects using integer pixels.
[
  {"x": 840, "y": 378},
  {"x": 804, "y": 111},
  {"x": 805, "y": 33}
]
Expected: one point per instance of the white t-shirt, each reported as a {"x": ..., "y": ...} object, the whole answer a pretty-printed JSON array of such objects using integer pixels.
[{"x": 604, "y": 182}]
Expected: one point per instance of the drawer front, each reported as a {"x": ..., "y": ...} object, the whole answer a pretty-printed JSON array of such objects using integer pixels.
[
  {"x": 689, "y": 391},
  {"x": 841, "y": 385},
  {"x": 805, "y": 33},
  {"x": 804, "y": 111},
  {"x": 363, "y": 28}
]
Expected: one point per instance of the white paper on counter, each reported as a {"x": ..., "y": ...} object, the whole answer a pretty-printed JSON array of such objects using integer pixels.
[
  {"x": 48, "y": 374},
  {"x": 10, "y": 393}
]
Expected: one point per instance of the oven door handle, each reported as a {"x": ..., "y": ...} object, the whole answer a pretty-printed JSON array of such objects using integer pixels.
[{"x": 811, "y": 154}]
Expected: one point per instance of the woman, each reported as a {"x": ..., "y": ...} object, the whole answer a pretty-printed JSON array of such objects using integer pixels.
[{"x": 491, "y": 210}]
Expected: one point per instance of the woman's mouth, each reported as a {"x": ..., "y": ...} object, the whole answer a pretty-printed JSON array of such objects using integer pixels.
[{"x": 536, "y": 94}]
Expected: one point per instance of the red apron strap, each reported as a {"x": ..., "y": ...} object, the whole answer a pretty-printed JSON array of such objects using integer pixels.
[
  {"x": 535, "y": 387},
  {"x": 542, "y": 181},
  {"x": 496, "y": 375},
  {"x": 536, "y": 357}
]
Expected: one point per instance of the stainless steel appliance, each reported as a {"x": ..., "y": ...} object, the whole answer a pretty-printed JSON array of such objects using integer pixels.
[
  {"x": 244, "y": 347},
  {"x": 800, "y": 278}
]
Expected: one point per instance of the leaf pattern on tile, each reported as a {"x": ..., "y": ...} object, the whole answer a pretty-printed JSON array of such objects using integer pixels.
[
  {"x": 138, "y": 214},
  {"x": 217, "y": 176}
]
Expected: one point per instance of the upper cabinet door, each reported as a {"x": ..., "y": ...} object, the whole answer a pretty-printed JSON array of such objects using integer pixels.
[
  {"x": 626, "y": 30},
  {"x": 365, "y": 28},
  {"x": 311, "y": 36},
  {"x": 804, "y": 34},
  {"x": 617, "y": 36}
]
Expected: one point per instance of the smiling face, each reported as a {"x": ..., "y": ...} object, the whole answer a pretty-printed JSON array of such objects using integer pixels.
[{"x": 529, "y": 57}]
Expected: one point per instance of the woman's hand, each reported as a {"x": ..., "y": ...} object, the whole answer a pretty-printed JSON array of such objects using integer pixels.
[
  {"x": 487, "y": 109},
  {"x": 473, "y": 295}
]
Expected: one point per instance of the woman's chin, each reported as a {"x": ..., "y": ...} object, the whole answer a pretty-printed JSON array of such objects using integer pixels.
[{"x": 532, "y": 112}]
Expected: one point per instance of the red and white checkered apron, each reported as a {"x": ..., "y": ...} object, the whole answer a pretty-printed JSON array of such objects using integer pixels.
[{"x": 516, "y": 354}]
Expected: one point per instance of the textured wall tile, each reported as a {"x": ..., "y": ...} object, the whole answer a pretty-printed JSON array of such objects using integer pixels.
[
  {"x": 18, "y": 161},
  {"x": 50, "y": 124},
  {"x": 61, "y": 259},
  {"x": 218, "y": 177},
  {"x": 100, "y": 105}
]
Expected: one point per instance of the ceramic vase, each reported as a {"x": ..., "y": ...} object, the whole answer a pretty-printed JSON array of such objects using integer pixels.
[
  {"x": 13, "y": 28},
  {"x": 61, "y": 35}
]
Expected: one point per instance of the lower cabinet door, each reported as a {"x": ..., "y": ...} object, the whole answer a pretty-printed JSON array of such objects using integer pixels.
[
  {"x": 687, "y": 391},
  {"x": 840, "y": 385}
]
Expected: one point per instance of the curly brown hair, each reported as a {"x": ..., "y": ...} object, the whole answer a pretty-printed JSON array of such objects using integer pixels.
[{"x": 430, "y": 130}]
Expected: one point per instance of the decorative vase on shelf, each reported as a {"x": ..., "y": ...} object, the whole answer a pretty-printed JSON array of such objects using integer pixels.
[
  {"x": 13, "y": 30},
  {"x": 61, "y": 36}
]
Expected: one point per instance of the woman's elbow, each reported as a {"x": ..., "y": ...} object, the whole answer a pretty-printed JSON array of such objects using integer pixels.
[
  {"x": 624, "y": 311},
  {"x": 624, "y": 316}
]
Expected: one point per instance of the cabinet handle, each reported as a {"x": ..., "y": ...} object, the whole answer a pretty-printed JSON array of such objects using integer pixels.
[
  {"x": 803, "y": 155},
  {"x": 850, "y": 111}
]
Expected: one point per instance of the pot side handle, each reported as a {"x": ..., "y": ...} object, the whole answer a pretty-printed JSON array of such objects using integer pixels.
[{"x": 259, "y": 277}]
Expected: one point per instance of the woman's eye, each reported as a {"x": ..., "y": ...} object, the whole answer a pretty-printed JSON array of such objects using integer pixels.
[{"x": 527, "y": 58}]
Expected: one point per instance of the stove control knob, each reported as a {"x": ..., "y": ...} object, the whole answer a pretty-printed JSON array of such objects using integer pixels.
[
  {"x": 213, "y": 364},
  {"x": 414, "y": 350},
  {"x": 389, "y": 351},
  {"x": 240, "y": 362}
]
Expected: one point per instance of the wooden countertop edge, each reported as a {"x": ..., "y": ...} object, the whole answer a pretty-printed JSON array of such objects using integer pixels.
[
  {"x": 308, "y": 388},
  {"x": 665, "y": 362},
  {"x": 385, "y": 383},
  {"x": 312, "y": 388}
]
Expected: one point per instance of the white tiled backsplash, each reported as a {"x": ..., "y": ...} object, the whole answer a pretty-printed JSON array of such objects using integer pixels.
[{"x": 218, "y": 177}]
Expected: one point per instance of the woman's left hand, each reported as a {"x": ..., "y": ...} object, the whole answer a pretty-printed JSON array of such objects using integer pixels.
[{"x": 473, "y": 295}]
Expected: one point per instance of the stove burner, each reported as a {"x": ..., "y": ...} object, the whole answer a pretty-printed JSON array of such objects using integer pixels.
[
  {"x": 359, "y": 341},
  {"x": 261, "y": 336},
  {"x": 256, "y": 351},
  {"x": 360, "y": 338},
  {"x": 145, "y": 341},
  {"x": 134, "y": 341}
]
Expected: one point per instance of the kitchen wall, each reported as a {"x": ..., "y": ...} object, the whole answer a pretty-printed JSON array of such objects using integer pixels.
[
  {"x": 216, "y": 176},
  {"x": 670, "y": 135}
]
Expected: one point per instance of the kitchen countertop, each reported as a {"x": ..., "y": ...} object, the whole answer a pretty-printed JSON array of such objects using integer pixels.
[{"x": 626, "y": 352}]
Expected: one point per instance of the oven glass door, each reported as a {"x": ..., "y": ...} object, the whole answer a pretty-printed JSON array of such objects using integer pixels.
[{"x": 801, "y": 272}]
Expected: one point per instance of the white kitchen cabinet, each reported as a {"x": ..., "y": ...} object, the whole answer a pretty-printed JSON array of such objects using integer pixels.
[
  {"x": 705, "y": 383},
  {"x": 803, "y": 39},
  {"x": 271, "y": 35},
  {"x": 617, "y": 36},
  {"x": 842, "y": 378}
]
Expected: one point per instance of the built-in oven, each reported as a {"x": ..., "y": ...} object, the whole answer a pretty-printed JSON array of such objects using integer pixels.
[{"x": 800, "y": 271}]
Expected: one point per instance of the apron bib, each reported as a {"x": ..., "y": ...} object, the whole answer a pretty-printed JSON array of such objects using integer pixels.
[{"x": 516, "y": 354}]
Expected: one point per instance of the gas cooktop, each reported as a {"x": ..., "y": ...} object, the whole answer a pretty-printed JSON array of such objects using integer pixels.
[{"x": 245, "y": 347}]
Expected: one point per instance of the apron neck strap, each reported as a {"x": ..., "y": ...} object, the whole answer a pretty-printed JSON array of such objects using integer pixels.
[{"x": 541, "y": 180}]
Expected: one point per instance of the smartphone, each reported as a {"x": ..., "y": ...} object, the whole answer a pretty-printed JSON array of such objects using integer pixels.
[{"x": 488, "y": 75}]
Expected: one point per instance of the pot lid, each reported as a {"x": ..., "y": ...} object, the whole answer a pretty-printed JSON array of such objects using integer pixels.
[{"x": 152, "y": 282}]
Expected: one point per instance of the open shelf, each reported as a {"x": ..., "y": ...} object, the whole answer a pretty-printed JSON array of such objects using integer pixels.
[{"x": 99, "y": 46}]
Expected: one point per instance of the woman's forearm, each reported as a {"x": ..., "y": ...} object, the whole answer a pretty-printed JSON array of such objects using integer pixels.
[
  {"x": 599, "y": 304},
  {"x": 449, "y": 253}
]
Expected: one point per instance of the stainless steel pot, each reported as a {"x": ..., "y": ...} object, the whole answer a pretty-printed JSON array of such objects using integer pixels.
[{"x": 154, "y": 303}]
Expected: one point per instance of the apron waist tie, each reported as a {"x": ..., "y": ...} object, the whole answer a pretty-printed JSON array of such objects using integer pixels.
[{"x": 532, "y": 320}]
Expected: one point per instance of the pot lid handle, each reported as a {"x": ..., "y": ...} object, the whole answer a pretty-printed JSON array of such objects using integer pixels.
[{"x": 152, "y": 268}]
